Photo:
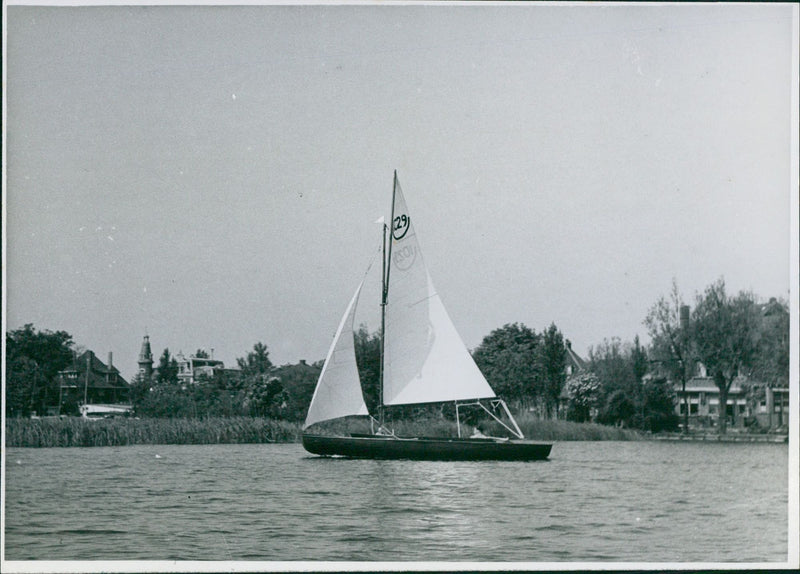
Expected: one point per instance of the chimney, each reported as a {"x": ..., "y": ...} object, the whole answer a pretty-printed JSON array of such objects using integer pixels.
[{"x": 110, "y": 360}]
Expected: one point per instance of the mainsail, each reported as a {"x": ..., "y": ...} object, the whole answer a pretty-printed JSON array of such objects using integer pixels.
[
  {"x": 338, "y": 392},
  {"x": 425, "y": 359}
]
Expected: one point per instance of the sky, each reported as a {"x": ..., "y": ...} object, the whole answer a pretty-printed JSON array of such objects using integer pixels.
[{"x": 211, "y": 175}]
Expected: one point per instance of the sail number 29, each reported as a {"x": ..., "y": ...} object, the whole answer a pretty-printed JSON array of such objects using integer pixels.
[{"x": 400, "y": 226}]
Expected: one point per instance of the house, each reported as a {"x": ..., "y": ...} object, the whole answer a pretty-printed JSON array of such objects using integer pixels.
[
  {"x": 702, "y": 397},
  {"x": 191, "y": 368},
  {"x": 90, "y": 381},
  {"x": 574, "y": 365},
  {"x": 772, "y": 407},
  {"x": 769, "y": 410}
]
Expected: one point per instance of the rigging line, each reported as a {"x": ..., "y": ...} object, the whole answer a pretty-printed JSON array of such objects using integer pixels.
[{"x": 372, "y": 261}]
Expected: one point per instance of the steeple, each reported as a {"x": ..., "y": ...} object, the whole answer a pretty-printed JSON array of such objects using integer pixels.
[{"x": 146, "y": 358}]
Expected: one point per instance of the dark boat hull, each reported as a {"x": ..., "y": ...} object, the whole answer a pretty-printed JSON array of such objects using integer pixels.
[{"x": 425, "y": 448}]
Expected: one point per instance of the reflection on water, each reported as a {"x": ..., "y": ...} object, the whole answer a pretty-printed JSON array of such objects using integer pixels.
[{"x": 641, "y": 502}]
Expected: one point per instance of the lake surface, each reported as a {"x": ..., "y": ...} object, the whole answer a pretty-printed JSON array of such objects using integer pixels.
[{"x": 592, "y": 501}]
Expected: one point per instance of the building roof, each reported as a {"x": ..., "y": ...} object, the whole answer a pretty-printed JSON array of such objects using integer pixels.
[
  {"x": 707, "y": 385},
  {"x": 100, "y": 375},
  {"x": 574, "y": 359},
  {"x": 145, "y": 354}
]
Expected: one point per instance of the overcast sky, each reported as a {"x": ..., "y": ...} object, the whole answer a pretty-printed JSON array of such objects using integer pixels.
[{"x": 211, "y": 175}]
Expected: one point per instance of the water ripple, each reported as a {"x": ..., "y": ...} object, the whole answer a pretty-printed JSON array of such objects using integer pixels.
[{"x": 641, "y": 502}]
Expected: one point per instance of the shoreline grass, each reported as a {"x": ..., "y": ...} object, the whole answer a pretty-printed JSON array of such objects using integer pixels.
[
  {"x": 551, "y": 430},
  {"x": 532, "y": 427},
  {"x": 78, "y": 432}
]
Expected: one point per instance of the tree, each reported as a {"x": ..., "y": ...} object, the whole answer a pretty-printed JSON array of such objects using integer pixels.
[
  {"x": 298, "y": 383},
  {"x": 667, "y": 324},
  {"x": 726, "y": 338},
  {"x": 33, "y": 361},
  {"x": 614, "y": 363},
  {"x": 267, "y": 398},
  {"x": 771, "y": 363},
  {"x": 585, "y": 390},
  {"x": 167, "y": 369},
  {"x": 509, "y": 359},
  {"x": 214, "y": 396},
  {"x": 658, "y": 405},
  {"x": 201, "y": 354},
  {"x": 140, "y": 388},
  {"x": 618, "y": 409},
  {"x": 256, "y": 362},
  {"x": 552, "y": 358},
  {"x": 639, "y": 366},
  {"x": 24, "y": 385},
  {"x": 639, "y": 363}
]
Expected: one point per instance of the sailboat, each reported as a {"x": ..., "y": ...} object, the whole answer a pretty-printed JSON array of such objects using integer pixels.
[{"x": 423, "y": 360}]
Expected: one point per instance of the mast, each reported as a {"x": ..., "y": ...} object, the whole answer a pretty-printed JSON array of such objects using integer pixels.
[
  {"x": 385, "y": 295},
  {"x": 383, "y": 328}
]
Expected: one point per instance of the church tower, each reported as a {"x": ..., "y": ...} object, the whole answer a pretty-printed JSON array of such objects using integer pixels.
[{"x": 146, "y": 358}]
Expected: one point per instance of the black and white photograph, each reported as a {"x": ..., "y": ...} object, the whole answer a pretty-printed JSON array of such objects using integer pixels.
[{"x": 400, "y": 286}]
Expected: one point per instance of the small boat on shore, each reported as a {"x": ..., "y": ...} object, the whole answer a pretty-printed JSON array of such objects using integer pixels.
[
  {"x": 104, "y": 411},
  {"x": 423, "y": 360}
]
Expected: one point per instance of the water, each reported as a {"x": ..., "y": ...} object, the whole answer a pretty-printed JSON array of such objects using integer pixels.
[{"x": 592, "y": 501}]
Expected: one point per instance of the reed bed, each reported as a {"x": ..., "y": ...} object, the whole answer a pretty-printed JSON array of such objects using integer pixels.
[
  {"x": 531, "y": 427},
  {"x": 550, "y": 430},
  {"x": 74, "y": 431}
]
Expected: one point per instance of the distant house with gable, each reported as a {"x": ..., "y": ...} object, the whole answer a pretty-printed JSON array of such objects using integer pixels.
[
  {"x": 91, "y": 381},
  {"x": 574, "y": 365}
]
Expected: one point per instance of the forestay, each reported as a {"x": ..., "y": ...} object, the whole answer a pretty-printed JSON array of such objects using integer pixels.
[
  {"x": 425, "y": 359},
  {"x": 338, "y": 392}
]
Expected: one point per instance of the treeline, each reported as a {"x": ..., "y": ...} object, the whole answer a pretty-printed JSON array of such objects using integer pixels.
[
  {"x": 621, "y": 383},
  {"x": 257, "y": 389},
  {"x": 615, "y": 389},
  {"x": 731, "y": 337}
]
